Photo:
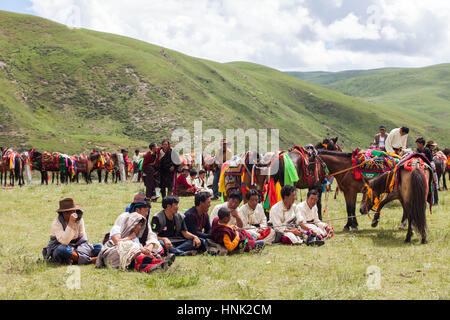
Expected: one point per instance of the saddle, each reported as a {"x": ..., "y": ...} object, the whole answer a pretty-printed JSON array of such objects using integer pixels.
[
  {"x": 311, "y": 167},
  {"x": 373, "y": 163},
  {"x": 50, "y": 161}
]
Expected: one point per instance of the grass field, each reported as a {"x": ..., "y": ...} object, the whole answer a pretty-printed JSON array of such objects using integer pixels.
[{"x": 334, "y": 271}]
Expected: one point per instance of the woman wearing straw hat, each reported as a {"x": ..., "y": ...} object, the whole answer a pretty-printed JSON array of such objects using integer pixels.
[{"x": 68, "y": 241}]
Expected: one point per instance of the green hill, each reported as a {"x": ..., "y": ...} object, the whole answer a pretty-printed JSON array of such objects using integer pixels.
[
  {"x": 70, "y": 90},
  {"x": 423, "y": 93}
]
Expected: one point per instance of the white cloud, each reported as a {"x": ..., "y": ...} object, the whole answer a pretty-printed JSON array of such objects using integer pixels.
[{"x": 281, "y": 34}]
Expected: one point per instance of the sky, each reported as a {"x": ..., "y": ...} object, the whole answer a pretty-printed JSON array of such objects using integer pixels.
[{"x": 289, "y": 35}]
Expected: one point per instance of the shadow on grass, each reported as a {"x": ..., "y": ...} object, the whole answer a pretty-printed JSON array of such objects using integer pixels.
[{"x": 384, "y": 238}]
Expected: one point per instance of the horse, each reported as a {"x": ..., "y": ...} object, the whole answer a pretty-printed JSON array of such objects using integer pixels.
[
  {"x": 112, "y": 166},
  {"x": 446, "y": 151},
  {"x": 440, "y": 160},
  {"x": 411, "y": 191},
  {"x": 45, "y": 162},
  {"x": 86, "y": 164},
  {"x": 340, "y": 166},
  {"x": 247, "y": 175},
  {"x": 11, "y": 161}
]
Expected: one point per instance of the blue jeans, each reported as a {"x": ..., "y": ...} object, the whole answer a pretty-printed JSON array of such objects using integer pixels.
[
  {"x": 188, "y": 245},
  {"x": 215, "y": 186},
  {"x": 64, "y": 253},
  {"x": 259, "y": 244}
]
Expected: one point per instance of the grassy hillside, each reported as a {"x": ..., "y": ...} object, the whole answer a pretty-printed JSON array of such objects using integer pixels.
[
  {"x": 422, "y": 93},
  {"x": 323, "y": 78},
  {"x": 70, "y": 90}
]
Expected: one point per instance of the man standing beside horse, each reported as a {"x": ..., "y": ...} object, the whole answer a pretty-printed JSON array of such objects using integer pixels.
[{"x": 396, "y": 140}]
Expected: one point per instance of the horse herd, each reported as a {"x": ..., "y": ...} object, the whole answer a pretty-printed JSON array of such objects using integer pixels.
[
  {"x": 64, "y": 168},
  {"x": 314, "y": 166}
]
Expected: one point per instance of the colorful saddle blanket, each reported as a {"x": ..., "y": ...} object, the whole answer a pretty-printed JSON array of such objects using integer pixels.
[
  {"x": 50, "y": 161},
  {"x": 372, "y": 163}
]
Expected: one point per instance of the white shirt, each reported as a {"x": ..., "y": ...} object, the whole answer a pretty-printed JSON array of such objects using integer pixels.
[
  {"x": 251, "y": 217},
  {"x": 305, "y": 214},
  {"x": 279, "y": 216},
  {"x": 381, "y": 142},
  {"x": 395, "y": 140},
  {"x": 215, "y": 212}
]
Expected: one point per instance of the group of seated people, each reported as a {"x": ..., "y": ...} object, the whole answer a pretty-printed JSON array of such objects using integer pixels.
[
  {"x": 136, "y": 242},
  {"x": 189, "y": 183}
]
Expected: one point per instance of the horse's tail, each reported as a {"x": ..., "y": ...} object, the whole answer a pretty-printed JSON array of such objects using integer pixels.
[
  {"x": 418, "y": 201},
  {"x": 17, "y": 167}
]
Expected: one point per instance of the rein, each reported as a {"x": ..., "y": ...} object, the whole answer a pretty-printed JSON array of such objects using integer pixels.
[{"x": 348, "y": 169}]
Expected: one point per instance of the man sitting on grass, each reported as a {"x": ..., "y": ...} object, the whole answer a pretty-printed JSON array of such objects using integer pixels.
[
  {"x": 170, "y": 227},
  {"x": 183, "y": 188},
  {"x": 147, "y": 238},
  {"x": 127, "y": 253},
  {"x": 283, "y": 216},
  {"x": 234, "y": 199},
  {"x": 308, "y": 218},
  {"x": 68, "y": 241},
  {"x": 230, "y": 236},
  {"x": 254, "y": 219}
]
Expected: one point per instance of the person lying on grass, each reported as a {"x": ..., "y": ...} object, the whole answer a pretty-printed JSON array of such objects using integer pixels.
[
  {"x": 68, "y": 241},
  {"x": 231, "y": 236},
  {"x": 254, "y": 219},
  {"x": 127, "y": 253},
  {"x": 170, "y": 227}
]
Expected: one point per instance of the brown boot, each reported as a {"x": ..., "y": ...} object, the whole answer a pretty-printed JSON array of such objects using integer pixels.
[{"x": 93, "y": 260}]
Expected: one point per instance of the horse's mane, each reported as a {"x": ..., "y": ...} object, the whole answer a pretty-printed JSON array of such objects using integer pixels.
[{"x": 335, "y": 153}]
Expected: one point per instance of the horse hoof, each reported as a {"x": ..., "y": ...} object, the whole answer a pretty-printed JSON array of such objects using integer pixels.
[
  {"x": 346, "y": 229},
  {"x": 424, "y": 241},
  {"x": 407, "y": 240},
  {"x": 374, "y": 223},
  {"x": 354, "y": 229}
]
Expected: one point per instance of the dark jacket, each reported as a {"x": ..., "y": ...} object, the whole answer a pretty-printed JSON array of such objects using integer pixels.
[{"x": 196, "y": 224}]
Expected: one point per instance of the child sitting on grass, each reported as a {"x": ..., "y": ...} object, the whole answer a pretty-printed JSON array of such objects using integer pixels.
[{"x": 230, "y": 236}]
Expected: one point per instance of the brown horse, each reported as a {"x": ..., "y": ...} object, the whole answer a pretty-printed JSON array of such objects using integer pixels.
[
  {"x": 252, "y": 175},
  {"x": 340, "y": 166},
  {"x": 411, "y": 191},
  {"x": 11, "y": 162},
  {"x": 441, "y": 166},
  {"x": 45, "y": 162}
]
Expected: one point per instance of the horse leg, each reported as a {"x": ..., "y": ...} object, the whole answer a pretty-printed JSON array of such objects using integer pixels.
[
  {"x": 99, "y": 174},
  {"x": 390, "y": 197},
  {"x": 106, "y": 176},
  {"x": 350, "y": 202},
  {"x": 319, "y": 204},
  {"x": 410, "y": 232}
]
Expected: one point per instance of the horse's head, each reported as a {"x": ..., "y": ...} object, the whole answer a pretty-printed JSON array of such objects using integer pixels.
[
  {"x": 329, "y": 144},
  {"x": 372, "y": 191}
]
